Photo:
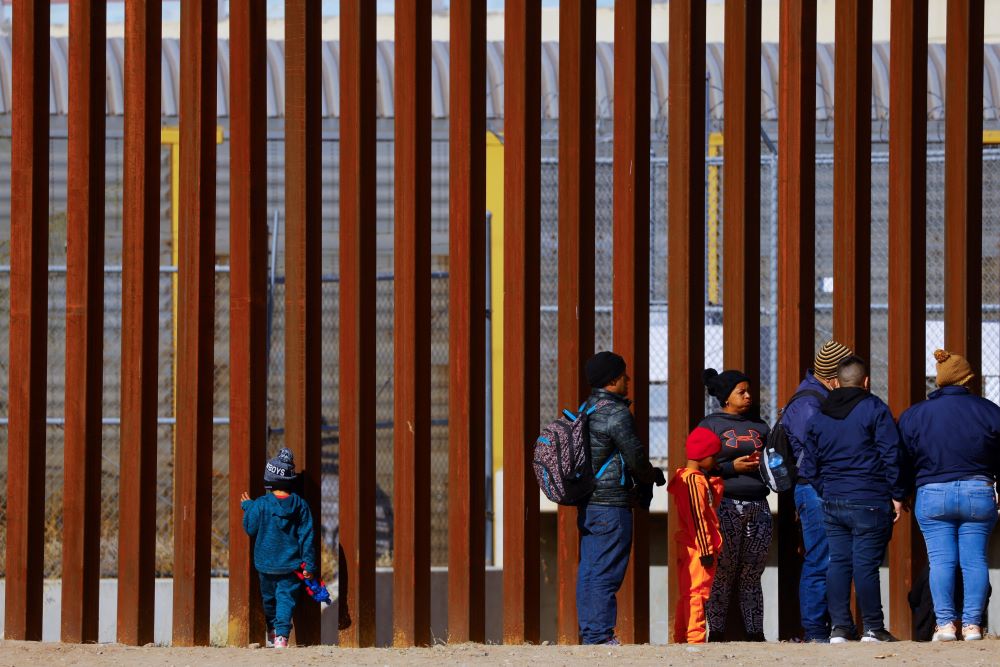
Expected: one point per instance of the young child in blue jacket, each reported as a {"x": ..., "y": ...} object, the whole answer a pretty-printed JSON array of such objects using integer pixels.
[{"x": 282, "y": 525}]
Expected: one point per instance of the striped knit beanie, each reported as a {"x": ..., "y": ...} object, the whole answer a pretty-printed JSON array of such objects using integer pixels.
[
  {"x": 831, "y": 354},
  {"x": 952, "y": 369}
]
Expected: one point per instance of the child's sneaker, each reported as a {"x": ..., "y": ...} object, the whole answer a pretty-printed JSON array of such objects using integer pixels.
[
  {"x": 972, "y": 633},
  {"x": 280, "y": 642},
  {"x": 269, "y": 642},
  {"x": 944, "y": 633}
]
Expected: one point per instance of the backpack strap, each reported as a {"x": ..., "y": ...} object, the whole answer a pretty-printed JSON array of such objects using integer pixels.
[{"x": 797, "y": 395}]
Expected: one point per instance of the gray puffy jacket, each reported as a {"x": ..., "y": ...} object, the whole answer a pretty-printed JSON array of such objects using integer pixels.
[{"x": 620, "y": 459}]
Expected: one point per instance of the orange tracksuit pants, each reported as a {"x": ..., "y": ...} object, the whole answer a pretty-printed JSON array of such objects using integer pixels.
[{"x": 695, "y": 585}]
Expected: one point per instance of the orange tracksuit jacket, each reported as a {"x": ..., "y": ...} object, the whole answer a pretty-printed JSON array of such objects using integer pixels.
[{"x": 696, "y": 499}]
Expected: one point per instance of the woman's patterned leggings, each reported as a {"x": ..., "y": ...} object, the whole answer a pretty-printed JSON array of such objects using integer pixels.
[{"x": 746, "y": 537}]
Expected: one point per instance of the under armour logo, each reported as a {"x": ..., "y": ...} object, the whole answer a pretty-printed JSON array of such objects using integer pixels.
[{"x": 733, "y": 440}]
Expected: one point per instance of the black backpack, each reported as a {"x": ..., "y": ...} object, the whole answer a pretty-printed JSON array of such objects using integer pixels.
[{"x": 777, "y": 441}]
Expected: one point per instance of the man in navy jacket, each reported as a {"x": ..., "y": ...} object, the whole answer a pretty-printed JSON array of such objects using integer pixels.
[
  {"x": 853, "y": 457},
  {"x": 801, "y": 408}
]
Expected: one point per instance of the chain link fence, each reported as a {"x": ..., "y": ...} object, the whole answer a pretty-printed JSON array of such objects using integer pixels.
[{"x": 548, "y": 335}]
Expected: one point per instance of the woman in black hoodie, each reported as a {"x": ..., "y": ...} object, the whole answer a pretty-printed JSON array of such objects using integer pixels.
[{"x": 744, "y": 516}]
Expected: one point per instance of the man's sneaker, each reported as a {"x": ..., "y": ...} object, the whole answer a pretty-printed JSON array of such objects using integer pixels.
[
  {"x": 280, "y": 642},
  {"x": 841, "y": 636},
  {"x": 880, "y": 635},
  {"x": 613, "y": 641},
  {"x": 972, "y": 633},
  {"x": 944, "y": 633}
]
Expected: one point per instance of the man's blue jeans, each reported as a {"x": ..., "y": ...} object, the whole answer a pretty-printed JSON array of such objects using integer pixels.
[
  {"x": 605, "y": 542},
  {"x": 858, "y": 533},
  {"x": 812, "y": 583},
  {"x": 956, "y": 519}
]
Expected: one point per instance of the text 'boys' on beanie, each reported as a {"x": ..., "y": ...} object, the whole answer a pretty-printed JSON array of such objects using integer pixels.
[
  {"x": 281, "y": 468},
  {"x": 702, "y": 443},
  {"x": 721, "y": 385},
  {"x": 952, "y": 369},
  {"x": 604, "y": 368},
  {"x": 831, "y": 354}
]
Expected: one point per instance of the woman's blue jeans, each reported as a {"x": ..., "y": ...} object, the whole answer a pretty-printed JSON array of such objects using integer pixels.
[{"x": 956, "y": 519}]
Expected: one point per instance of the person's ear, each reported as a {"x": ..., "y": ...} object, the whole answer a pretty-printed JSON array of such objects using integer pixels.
[
  {"x": 834, "y": 383},
  {"x": 868, "y": 383}
]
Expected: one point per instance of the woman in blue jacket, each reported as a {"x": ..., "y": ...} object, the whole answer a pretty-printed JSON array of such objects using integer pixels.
[{"x": 953, "y": 439}]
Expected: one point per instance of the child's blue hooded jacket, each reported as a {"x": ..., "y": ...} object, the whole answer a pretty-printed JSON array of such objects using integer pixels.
[{"x": 283, "y": 529}]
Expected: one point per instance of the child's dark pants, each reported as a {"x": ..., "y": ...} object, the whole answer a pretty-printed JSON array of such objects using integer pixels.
[{"x": 280, "y": 592}]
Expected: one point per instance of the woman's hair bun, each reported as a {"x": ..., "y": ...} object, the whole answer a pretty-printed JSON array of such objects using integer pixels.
[
  {"x": 942, "y": 355},
  {"x": 708, "y": 375}
]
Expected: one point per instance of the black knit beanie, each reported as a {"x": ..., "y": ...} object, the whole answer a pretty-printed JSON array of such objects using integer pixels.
[
  {"x": 721, "y": 385},
  {"x": 604, "y": 368},
  {"x": 280, "y": 471}
]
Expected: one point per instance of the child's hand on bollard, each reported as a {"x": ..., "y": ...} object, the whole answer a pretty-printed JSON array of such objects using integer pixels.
[{"x": 244, "y": 497}]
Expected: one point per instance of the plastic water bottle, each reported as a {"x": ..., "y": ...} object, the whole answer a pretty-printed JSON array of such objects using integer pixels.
[{"x": 779, "y": 471}]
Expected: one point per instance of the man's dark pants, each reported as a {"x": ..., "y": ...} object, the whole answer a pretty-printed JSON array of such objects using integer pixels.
[
  {"x": 605, "y": 542},
  {"x": 858, "y": 533}
]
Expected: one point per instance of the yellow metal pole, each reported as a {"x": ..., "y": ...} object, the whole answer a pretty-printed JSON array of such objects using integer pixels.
[
  {"x": 714, "y": 149},
  {"x": 494, "y": 204},
  {"x": 170, "y": 135}
]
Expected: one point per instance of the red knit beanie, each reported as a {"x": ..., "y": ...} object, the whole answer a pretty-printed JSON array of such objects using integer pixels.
[{"x": 702, "y": 443}]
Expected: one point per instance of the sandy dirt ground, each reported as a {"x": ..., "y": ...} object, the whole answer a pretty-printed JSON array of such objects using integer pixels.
[{"x": 24, "y": 654}]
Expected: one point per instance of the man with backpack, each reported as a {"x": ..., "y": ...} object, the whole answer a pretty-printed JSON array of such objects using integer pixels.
[
  {"x": 621, "y": 469},
  {"x": 795, "y": 418}
]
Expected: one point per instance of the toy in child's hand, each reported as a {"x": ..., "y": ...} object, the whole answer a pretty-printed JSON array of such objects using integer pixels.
[{"x": 316, "y": 589}]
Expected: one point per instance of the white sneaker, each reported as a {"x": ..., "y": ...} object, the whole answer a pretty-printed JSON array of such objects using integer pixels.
[
  {"x": 972, "y": 633},
  {"x": 280, "y": 642},
  {"x": 944, "y": 633},
  {"x": 269, "y": 642}
]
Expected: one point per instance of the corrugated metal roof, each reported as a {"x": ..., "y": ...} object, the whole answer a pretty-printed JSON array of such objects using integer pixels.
[{"x": 494, "y": 76}]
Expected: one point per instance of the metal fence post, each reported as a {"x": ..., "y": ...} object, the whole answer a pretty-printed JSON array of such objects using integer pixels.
[
  {"x": 29, "y": 239},
  {"x": 84, "y": 324},
  {"x": 577, "y": 45},
  {"x": 196, "y": 325},
  {"x": 630, "y": 288}
]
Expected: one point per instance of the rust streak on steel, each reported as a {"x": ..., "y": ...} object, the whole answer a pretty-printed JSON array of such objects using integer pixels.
[
  {"x": 29, "y": 234},
  {"x": 411, "y": 598},
  {"x": 303, "y": 258},
  {"x": 521, "y": 277},
  {"x": 907, "y": 265},
  {"x": 467, "y": 327},
  {"x": 357, "y": 324},
  {"x": 577, "y": 53},
  {"x": 796, "y": 230},
  {"x": 630, "y": 289},
  {"x": 852, "y": 213},
  {"x": 741, "y": 179},
  {"x": 195, "y": 325},
  {"x": 686, "y": 227},
  {"x": 140, "y": 313},
  {"x": 963, "y": 192},
  {"x": 248, "y": 236},
  {"x": 81, "y": 555}
]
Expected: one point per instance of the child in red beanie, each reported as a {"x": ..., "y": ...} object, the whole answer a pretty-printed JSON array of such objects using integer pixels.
[{"x": 696, "y": 498}]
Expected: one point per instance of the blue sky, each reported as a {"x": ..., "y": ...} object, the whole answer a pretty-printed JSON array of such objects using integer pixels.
[{"x": 275, "y": 8}]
